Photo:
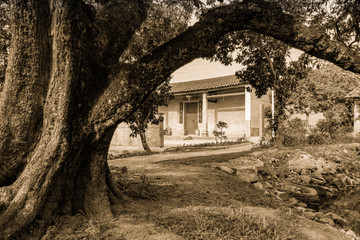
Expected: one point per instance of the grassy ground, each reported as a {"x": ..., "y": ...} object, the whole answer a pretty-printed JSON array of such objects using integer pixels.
[{"x": 189, "y": 199}]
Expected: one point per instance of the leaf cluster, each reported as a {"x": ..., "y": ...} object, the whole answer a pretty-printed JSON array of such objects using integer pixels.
[
  {"x": 164, "y": 22},
  {"x": 324, "y": 90},
  {"x": 148, "y": 112}
]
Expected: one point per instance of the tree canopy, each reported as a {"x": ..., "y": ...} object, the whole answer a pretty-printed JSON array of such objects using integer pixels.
[{"x": 65, "y": 89}]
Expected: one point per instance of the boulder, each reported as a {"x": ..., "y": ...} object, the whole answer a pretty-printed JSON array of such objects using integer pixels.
[
  {"x": 258, "y": 185},
  {"x": 306, "y": 194},
  {"x": 226, "y": 169},
  {"x": 302, "y": 161},
  {"x": 317, "y": 181},
  {"x": 283, "y": 196},
  {"x": 293, "y": 201},
  {"x": 305, "y": 163},
  {"x": 309, "y": 215},
  {"x": 305, "y": 179},
  {"x": 253, "y": 162},
  {"x": 327, "y": 221},
  {"x": 248, "y": 174},
  {"x": 336, "y": 218},
  {"x": 268, "y": 185}
]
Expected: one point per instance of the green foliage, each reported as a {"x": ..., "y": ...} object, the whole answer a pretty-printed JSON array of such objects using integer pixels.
[
  {"x": 148, "y": 111},
  {"x": 324, "y": 90},
  {"x": 164, "y": 22},
  {"x": 317, "y": 138},
  {"x": 219, "y": 131},
  {"x": 326, "y": 131},
  {"x": 265, "y": 66},
  {"x": 294, "y": 133}
]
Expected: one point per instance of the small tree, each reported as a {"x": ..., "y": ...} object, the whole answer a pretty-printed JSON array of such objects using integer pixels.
[
  {"x": 266, "y": 67},
  {"x": 148, "y": 113},
  {"x": 219, "y": 132}
]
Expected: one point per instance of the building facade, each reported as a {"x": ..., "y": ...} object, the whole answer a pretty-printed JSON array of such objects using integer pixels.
[{"x": 199, "y": 105}]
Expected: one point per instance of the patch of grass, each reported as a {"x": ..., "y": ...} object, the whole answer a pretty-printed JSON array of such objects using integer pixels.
[
  {"x": 112, "y": 156},
  {"x": 206, "y": 145},
  {"x": 80, "y": 227},
  {"x": 205, "y": 159},
  {"x": 217, "y": 223}
]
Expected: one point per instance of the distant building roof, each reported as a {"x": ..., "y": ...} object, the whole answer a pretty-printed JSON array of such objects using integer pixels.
[
  {"x": 206, "y": 84},
  {"x": 354, "y": 93}
]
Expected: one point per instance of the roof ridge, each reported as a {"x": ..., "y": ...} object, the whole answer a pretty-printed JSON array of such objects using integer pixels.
[{"x": 206, "y": 84}]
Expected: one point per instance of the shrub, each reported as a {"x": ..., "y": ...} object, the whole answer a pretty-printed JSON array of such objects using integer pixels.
[
  {"x": 219, "y": 132},
  {"x": 294, "y": 133},
  {"x": 316, "y": 137}
]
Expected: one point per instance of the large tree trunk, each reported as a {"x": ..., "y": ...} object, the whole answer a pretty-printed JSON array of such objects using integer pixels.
[
  {"x": 25, "y": 89},
  {"x": 66, "y": 168}
]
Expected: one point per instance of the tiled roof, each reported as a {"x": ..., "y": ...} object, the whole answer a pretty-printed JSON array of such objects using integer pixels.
[
  {"x": 206, "y": 84},
  {"x": 354, "y": 93}
]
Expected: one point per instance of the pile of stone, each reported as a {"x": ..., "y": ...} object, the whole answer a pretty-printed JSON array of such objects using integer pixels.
[{"x": 300, "y": 180}]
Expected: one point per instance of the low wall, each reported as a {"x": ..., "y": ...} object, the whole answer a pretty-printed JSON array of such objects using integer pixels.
[{"x": 154, "y": 136}]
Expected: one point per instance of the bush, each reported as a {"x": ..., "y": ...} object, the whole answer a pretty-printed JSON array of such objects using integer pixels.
[
  {"x": 316, "y": 137},
  {"x": 332, "y": 130},
  {"x": 294, "y": 133}
]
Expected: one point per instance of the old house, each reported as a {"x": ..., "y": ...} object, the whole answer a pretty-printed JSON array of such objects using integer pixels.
[{"x": 199, "y": 105}]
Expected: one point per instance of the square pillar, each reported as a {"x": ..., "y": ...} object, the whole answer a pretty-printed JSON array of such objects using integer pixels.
[
  {"x": 248, "y": 111},
  {"x": 204, "y": 130},
  {"x": 261, "y": 120}
]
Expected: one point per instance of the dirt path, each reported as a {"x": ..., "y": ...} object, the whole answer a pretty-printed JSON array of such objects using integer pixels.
[{"x": 140, "y": 161}]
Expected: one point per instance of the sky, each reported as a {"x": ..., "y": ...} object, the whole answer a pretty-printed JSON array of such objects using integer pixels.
[{"x": 202, "y": 69}]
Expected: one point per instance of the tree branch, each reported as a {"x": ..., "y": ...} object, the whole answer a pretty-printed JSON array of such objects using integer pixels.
[
  {"x": 117, "y": 21},
  {"x": 200, "y": 41}
]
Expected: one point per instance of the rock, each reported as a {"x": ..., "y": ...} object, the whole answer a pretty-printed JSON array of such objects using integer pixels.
[
  {"x": 339, "y": 182},
  {"x": 226, "y": 169},
  {"x": 336, "y": 218},
  {"x": 268, "y": 185},
  {"x": 306, "y": 194},
  {"x": 302, "y": 204},
  {"x": 351, "y": 234},
  {"x": 317, "y": 174},
  {"x": 258, "y": 185},
  {"x": 327, "y": 221},
  {"x": 309, "y": 215},
  {"x": 319, "y": 215},
  {"x": 329, "y": 168},
  {"x": 301, "y": 209},
  {"x": 302, "y": 161},
  {"x": 306, "y": 165},
  {"x": 253, "y": 162},
  {"x": 318, "y": 181},
  {"x": 349, "y": 181},
  {"x": 248, "y": 174},
  {"x": 305, "y": 179},
  {"x": 283, "y": 196},
  {"x": 257, "y": 154},
  {"x": 293, "y": 201}
]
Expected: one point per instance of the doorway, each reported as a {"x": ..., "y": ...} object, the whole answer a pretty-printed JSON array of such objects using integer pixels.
[{"x": 191, "y": 118}]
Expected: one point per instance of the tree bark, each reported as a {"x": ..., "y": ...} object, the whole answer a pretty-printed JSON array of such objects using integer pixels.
[
  {"x": 144, "y": 142},
  {"x": 24, "y": 92},
  {"x": 66, "y": 170}
]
